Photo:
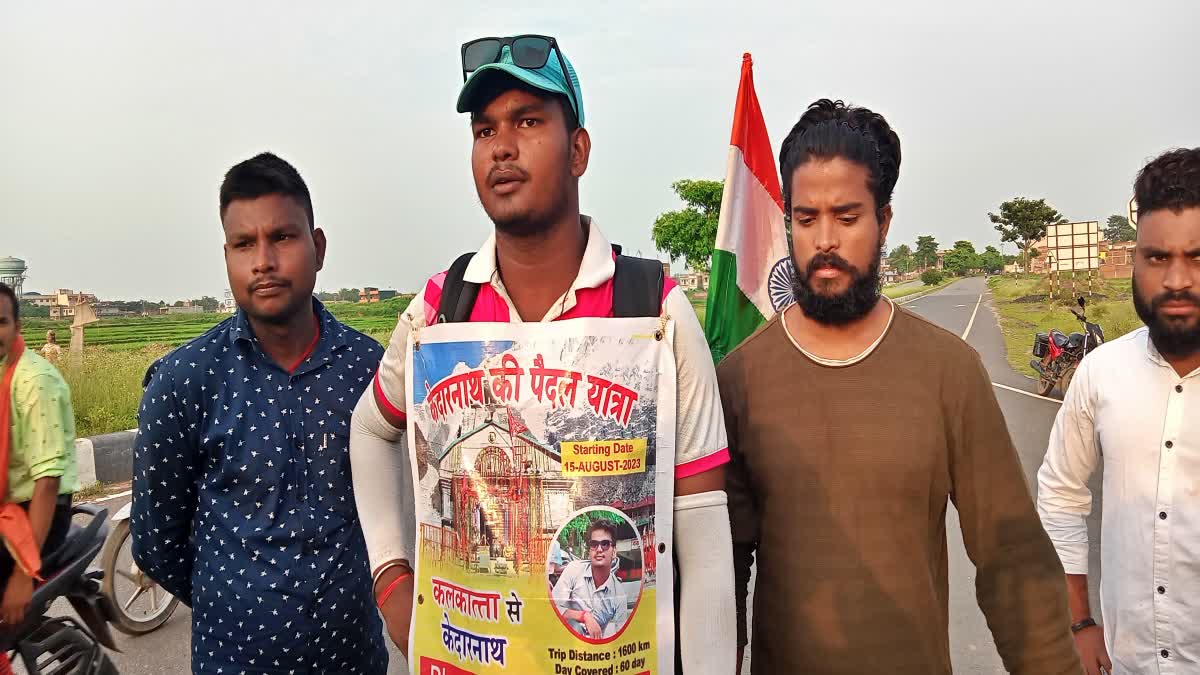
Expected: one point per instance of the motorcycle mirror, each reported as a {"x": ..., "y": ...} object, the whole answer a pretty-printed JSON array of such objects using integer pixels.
[{"x": 1082, "y": 302}]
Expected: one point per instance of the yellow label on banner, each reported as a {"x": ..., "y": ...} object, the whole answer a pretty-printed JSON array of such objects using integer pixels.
[
  {"x": 603, "y": 458},
  {"x": 457, "y": 633}
]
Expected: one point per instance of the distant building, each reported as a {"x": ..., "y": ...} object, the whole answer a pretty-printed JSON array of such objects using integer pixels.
[
  {"x": 667, "y": 269},
  {"x": 692, "y": 281},
  {"x": 106, "y": 309},
  {"x": 889, "y": 274},
  {"x": 12, "y": 273},
  {"x": 372, "y": 294},
  {"x": 228, "y": 304},
  {"x": 65, "y": 297},
  {"x": 186, "y": 309},
  {"x": 39, "y": 299},
  {"x": 1116, "y": 259},
  {"x": 64, "y": 301}
]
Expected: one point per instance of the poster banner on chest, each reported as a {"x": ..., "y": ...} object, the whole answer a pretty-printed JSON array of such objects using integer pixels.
[{"x": 543, "y": 456}]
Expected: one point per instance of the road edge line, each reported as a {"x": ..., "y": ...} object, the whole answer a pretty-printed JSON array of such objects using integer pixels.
[
  {"x": 1027, "y": 393},
  {"x": 112, "y": 497},
  {"x": 971, "y": 323}
]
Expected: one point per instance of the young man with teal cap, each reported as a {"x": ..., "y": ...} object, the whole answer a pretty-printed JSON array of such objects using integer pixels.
[{"x": 545, "y": 262}]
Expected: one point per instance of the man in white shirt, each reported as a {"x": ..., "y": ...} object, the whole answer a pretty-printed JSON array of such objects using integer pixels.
[
  {"x": 544, "y": 261},
  {"x": 1136, "y": 402}
]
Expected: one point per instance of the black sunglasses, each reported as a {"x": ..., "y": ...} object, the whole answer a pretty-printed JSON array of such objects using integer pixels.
[
  {"x": 530, "y": 52},
  {"x": 602, "y": 544}
]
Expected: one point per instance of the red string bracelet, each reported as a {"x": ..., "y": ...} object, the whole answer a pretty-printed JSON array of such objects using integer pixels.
[{"x": 387, "y": 592}]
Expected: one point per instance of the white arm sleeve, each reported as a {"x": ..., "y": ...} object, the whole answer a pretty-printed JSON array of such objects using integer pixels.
[
  {"x": 383, "y": 490},
  {"x": 1063, "y": 497},
  {"x": 704, "y": 549}
]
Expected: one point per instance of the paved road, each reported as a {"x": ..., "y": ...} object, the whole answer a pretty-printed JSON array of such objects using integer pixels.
[{"x": 1029, "y": 420}]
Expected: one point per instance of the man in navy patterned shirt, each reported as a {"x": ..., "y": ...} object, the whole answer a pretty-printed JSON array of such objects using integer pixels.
[{"x": 242, "y": 501}]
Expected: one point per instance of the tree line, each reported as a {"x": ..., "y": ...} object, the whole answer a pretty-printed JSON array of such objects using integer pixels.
[{"x": 691, "y": 232}]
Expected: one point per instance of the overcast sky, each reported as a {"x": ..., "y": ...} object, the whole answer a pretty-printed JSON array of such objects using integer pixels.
[{"x": 118, "y": 119}]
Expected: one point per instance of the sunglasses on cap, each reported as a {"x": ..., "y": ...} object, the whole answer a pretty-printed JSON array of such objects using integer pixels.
[
  {"x": 602, "y": 544},
  {"x": 530, "y": 52}
]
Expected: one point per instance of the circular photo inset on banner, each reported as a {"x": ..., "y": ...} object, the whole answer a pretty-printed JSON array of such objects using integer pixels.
[{"x": 595, "y": 570}]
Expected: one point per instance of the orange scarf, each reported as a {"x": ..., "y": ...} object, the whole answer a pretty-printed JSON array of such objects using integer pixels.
[{"x": 15, "y": 527}]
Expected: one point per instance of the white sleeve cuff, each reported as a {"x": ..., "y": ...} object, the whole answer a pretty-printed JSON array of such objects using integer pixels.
[
  {"x": 1068, "y": 532},
  {"x": 704, "y": 550}
]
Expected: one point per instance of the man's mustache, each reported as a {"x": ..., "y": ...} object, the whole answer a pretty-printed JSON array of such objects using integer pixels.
[
  {"x": 828, "y": 260},
  {"x": 506, "y": 172},
  {"x": 1174, "y": 296}
]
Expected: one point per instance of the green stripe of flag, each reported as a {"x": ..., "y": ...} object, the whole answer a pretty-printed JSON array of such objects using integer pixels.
[{"x": 730, "y": 317}]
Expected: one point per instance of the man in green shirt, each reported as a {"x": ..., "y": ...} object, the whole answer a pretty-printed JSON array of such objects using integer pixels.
[{"x": 41, "y": 462}]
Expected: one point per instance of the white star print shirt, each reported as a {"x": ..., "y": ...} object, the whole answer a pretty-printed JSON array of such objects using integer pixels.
[{"x": 243, "y": 506}]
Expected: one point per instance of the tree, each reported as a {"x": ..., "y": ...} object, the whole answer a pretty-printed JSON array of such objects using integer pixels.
[
  {"x": 991, "y": 260},
  {"x": 207, "y": 303},
  {"x": 348, "y": 295},
  {"x": 178, "y": 303},
  {"x": 1023, "y": 221},
  {"x": 961, "y": 259},
  {"x": 901, "y": 258},
  {"x": 1119, "y": 229},
  {"x": 30, "y": 310},
  {"x": 932, "y": 277},
  {"x": 1009, "y": 258},
  {"x": 927, "y": 250},
  {"x": 691, "y": 232}
]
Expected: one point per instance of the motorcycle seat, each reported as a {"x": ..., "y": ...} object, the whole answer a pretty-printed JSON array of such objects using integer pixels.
[
  {"x": 1075, "y": 340},
  {"x": 1059, "y": 339}
]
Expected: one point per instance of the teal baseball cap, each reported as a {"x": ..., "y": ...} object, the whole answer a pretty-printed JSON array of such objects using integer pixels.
[{"x": 538, "y": 62}]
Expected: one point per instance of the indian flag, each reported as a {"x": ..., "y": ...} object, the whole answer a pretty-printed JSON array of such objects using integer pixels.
[{"x": 751, "y": 274}]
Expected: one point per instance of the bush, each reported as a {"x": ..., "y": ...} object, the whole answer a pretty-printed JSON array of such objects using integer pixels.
[{"x": 932, "y": 277}]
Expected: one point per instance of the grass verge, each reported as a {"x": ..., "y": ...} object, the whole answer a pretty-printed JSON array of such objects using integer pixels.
[
  {"x": 87, "y": 493},
  {"x": 898, "y": 291},
  {"x": 1025, "y": 308},
  {"x": 700, "y": 304}
]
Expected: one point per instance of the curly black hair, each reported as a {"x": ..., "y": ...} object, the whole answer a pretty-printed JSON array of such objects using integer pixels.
[
  {"x": 829, "y": 129},
  {"x": 1169, "y": 181}
]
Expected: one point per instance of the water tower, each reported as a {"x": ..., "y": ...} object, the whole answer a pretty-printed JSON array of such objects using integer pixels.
[{"x": 12, "y": 272}]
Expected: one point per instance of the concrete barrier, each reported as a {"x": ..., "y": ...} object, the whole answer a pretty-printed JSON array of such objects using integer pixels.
[
  {"x": 107, "y": 458},
  {"x": 85, "y": 461}
]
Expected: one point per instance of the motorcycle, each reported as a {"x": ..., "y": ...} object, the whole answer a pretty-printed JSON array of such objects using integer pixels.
[
  {"x": 125, "y": 584},
  {"x": 54, "y": 645},
  {"x": 1059, "y": 355}
]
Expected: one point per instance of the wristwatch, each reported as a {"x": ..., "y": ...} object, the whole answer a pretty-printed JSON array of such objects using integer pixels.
[{"x": 1085, "y": 623}]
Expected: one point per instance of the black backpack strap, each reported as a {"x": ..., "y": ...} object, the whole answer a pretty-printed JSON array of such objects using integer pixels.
[
  {"x": 637, "y": 286},
  {"x": 637, "y": 289},
  {"x": 458, "y": 296}
]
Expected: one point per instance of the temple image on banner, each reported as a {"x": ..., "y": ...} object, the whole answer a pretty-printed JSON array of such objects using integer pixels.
[{"x": 501, "y": 495}]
